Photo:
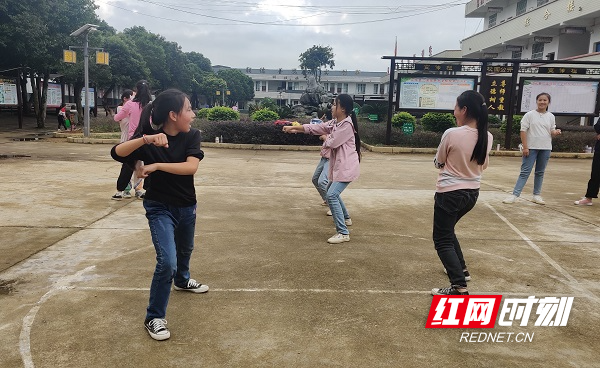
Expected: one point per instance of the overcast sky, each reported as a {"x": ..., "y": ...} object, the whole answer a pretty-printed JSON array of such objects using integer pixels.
[{"x": 273, "y": 33}]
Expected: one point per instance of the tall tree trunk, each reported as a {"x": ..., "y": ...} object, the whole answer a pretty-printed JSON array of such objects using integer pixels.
[
  {"x": 24, "y": 101},
  {"x": 36, "y": 97},
  {"x": 44, "y": 98}
]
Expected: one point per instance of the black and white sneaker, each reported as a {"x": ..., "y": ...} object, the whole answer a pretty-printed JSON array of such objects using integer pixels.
[
  {"x": 118, "y": 196},
  {"x": 157, "y": 329},
  {"x": 193, "y": 286},
  {"x": 451, "y": 290}
]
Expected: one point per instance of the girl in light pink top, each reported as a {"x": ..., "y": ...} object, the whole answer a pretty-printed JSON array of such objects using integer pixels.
[
  {"x": 344, "y": 142},
  {"x": 131, "y": 110},
  {"x": 461, "y": 157}
]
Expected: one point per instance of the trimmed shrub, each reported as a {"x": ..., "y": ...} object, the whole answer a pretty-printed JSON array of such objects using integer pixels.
[
  {"x": 221, "y": 113},
  {"x": 203, "y": 113},
  {"x": 437, "y": 122},
  {"x": 402, "y": 118},
  {"x": 494, "y": 121},
  {"x": 285, "y": 111},
  {"x": 252, "y": 132},
  {"x": 264, "y": 115}
]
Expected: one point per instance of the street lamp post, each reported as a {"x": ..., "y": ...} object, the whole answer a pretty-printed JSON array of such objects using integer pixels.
[
  {"x": 85, "y": 30},
  {"x": 222, "y": 92}
]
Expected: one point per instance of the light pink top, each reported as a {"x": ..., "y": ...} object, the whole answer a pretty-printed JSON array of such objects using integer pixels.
[
  {"x": 133, "y": 111},
  {"x": 454, "y": 151},
  {"x": 343, "y": 160}
]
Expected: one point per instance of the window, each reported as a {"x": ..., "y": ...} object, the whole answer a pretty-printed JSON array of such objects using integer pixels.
[
  {"x": 376, "y": 89},
  {"x": 257, "y": 86},
  {"x": 550, "y": 56},
  {"x": 344, "y": 87},
  {"x": 541, "y": 2},
  {"x": 293, "y": 86},
  {"x": 521, "y": 7},
  {"x": 537, "y": 51},
  {"x": 516, "y": 54},
  {"x": 597, "y": 47},
  {"x": 361, "y": 88},
  {"x": 492, "y": 20}
]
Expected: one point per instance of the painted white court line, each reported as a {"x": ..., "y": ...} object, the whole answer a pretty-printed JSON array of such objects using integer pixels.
[
  {"x": 25, "y": 336},
  {"x": 491, "y": 254},
  {"x": 573, "y": 283}
]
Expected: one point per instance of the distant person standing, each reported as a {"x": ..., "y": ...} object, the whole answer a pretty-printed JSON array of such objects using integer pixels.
[
  {"x": 537, "y": 129},
  {"x": 132, "y": 110},
  {"x": 124, "y": 123},
  {"x": 62, "y": 116},
  {"x": 593, "y": 186}
]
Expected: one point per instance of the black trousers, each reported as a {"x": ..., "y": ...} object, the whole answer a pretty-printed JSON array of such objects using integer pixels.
[
  {"x": 449, "y": 208},
  {"x": 594, "y": 182},
  {"x": 124, "y": 177}
]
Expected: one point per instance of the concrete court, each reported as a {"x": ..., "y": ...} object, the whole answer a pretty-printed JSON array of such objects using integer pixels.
[{"x": 75, "y": 266}]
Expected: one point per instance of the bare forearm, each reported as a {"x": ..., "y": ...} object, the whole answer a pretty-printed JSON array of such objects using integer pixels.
[
  {"x": 178, "y": 168},
  {"x": 126, "y": 148},
  {"x": 524, "y": 139}
]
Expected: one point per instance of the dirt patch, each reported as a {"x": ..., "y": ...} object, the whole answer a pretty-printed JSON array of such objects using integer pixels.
[{"x": 7, "y": 286}]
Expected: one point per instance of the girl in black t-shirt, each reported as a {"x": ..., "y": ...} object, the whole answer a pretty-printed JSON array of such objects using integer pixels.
[{"x": 170, "y": 150}]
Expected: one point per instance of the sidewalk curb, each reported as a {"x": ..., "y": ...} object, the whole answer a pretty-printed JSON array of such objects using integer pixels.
[{"x": 268, "y": 147}]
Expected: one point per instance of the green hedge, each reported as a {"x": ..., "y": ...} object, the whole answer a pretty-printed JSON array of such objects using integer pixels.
[
  {"x": 221, "y": 113},
  {"x": 252, "y": 133}
]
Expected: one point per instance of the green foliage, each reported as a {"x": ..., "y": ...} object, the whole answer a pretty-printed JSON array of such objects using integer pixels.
[
  {"x": 374, "y": 134},
  {"x": 375, "y": 108},
  {"x": 240, "y": 86},
  {"x": 221, "y": 113},
  {"x": 402, "y": 118},
  {"x": 516, "y": 125},
  {"x": 494, "y": 121},
  {"x": 268, "y": 103},
  {"x": 252, "y": 132},
  {"x": 285, "y": 111},
  {"x": 264, "y": 115},
  {"x": 314, "y": 58},
  {"x": 203, "y": 113},
  {"x": 437, "y": 122}
]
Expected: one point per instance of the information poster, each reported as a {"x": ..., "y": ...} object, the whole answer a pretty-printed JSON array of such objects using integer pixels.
[
  {"x": 431, "y": 92},
  {"x": 54, "y": 98},
  {"x": 8, "y": 94},
  {"x": 90, "y": 96},
  {"x": 568, "y": 97}
]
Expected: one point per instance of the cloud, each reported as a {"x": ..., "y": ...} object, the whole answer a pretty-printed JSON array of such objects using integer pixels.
[{"x": 280, "y": 30}]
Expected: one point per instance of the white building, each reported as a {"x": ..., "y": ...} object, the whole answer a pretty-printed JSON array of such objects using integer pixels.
[
  {"x": 534, "y": 29},
  {"x": 287, "y": 85}
]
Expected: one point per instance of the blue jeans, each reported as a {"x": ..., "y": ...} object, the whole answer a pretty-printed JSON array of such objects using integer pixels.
[
  {"x": 337, "y": 207},
  {"x": 319, "y": 178},
  {"x": 448, "y": 209},
  {"x": 172, "y": 229},
  {"x": 540, "y": 158}
]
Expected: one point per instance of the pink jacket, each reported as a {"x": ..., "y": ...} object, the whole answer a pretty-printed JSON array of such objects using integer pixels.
[
  {"x": 343, "y": 160},
  {"x": 133, "y": 111}
]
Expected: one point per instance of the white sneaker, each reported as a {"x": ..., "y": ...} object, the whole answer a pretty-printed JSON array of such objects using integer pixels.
[
  {"x": 511, "y": 199},
  {"x": 348, "y": 222},
  {"x": 329, "y": 213},
  {"x": 126, "y": 194},
  {"x": 584, "y": 202},
  {"x": 338, "y": 238},
  {"x": 537, "y": 199}
]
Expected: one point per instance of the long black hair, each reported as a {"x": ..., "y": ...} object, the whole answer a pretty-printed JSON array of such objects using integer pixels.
[
  {"x": 142, "y": 93},
  {"x": 476, "y": 109},
  {"x": 347, "y": 103},
  {"x": 156, "y": 113}
]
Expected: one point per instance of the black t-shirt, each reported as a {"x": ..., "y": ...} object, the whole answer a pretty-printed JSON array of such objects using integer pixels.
[{"x": 164, "y": 187}]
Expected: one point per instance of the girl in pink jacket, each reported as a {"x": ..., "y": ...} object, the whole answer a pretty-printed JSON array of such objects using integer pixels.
[{"x": 344, "y": 142}]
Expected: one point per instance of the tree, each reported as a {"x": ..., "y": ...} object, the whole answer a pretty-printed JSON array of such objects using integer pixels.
[
  {"x": 239, "y": 84},
  {"x": 33, "y": 35},
  {"x": 313, "y": 59},
  {"x": 208, "y": 84}
]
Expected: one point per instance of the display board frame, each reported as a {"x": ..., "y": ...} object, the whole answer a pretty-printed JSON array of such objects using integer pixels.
[
  {"x": 557, "y": 102},
  {"x": 427, "y": 106}
]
